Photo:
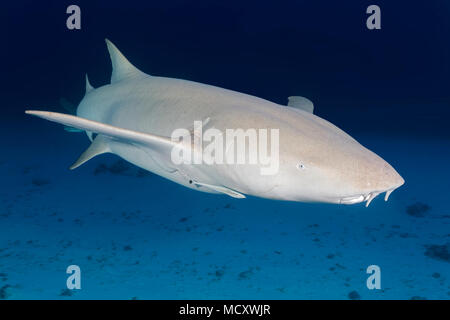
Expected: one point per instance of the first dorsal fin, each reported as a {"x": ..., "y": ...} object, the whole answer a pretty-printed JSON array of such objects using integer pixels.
[
  {"x": 121, "y": 67},
  {"x": 301, "y": 103},
  {"x": 98, "y": 146}
]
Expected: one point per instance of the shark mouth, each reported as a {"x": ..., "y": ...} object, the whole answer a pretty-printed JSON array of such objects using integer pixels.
[{"x": 366, "y": 197}]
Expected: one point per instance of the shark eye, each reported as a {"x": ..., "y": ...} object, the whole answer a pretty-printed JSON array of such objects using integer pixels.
[{"x": 300, "y": 166}]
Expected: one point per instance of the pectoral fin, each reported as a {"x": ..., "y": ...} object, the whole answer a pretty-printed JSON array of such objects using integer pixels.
[
  {"x": 221, "y": 189},
  {"x": 301, "y": 103}
]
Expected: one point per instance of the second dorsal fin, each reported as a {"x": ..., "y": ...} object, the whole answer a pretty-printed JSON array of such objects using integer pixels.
[{"x": 89, "y": 87}]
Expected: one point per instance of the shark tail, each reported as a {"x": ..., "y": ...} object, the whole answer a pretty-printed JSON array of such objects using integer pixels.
[{"x": 105, "y": 134}]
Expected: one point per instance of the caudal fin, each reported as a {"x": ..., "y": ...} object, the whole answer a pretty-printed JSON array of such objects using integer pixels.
[
  {"x": 126, "y": 135},
  {"x": 159, "y": 144}
]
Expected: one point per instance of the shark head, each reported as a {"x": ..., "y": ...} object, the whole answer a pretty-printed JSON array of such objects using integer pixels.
[
  {"x": 349, "y": 174},
  {"x": 318, "y": 162},
  {"x": 314, "y": 161}
]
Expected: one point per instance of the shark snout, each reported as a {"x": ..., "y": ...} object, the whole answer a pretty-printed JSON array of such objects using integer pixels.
[
  {"x": 386, "y": 183},
  {"x": 374, "y": 180},
  {"x": 390, "y": 179},
  {"x": 395, "y": 181}
]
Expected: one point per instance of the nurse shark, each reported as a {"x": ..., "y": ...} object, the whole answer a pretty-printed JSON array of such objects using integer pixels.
[{"x": 136, "y": 115}]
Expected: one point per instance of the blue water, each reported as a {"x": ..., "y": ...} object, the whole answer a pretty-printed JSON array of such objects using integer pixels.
[{"x": 136, "y": 235}]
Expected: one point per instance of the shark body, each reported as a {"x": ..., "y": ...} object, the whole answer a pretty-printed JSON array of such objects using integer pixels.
[{"x": 135, "y": 116}]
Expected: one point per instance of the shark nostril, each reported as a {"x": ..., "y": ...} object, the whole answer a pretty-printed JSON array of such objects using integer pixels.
[
  {"x": 388, "y": 193},
  {"x": 372, "y": 196}
]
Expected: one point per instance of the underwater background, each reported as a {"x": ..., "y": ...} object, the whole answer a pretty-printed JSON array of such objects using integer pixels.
[{"x": 138, "y": 236}]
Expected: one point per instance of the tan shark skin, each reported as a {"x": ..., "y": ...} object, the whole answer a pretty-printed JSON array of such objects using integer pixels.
[{"x": 335, "y": 167}]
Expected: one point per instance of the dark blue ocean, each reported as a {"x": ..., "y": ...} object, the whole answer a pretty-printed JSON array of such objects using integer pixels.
[{"x": 135, "y": 235}]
